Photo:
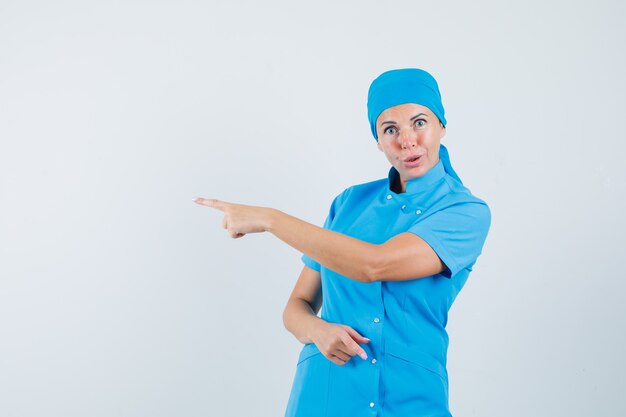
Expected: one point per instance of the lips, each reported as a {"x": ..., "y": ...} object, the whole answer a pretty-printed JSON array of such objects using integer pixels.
[
  {"x": 413, "y": 161},
  {"x": 412, "y": 158}
]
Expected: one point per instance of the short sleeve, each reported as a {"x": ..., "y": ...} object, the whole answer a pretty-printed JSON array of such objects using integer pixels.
[
  {"x": 456, "y": 233},
  {"x": 327, "y": 223}
]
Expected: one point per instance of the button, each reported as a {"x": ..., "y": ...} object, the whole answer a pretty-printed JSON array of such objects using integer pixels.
[
  {"x": 403, "y": 206},
  {"x": 374, "y": 360},
  {"x": 388, "y": 196},
  {"x": 376, "y": 319},
  {"x": 372, "y": 405},
  {"x": 418, "y": 212}
]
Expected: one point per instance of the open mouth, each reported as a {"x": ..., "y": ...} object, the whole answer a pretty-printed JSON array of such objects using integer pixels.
[{"x": 412, "y": 158}]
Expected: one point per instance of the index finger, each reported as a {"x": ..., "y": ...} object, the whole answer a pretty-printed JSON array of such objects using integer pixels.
[
  {"x": 211, "y": 202},
  {"x": 355, "y": 349}
]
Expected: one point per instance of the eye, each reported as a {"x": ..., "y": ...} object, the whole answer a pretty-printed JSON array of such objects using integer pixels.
[
  {"x": 420, "y": 123},
  {"x": 391, "y": 130}
]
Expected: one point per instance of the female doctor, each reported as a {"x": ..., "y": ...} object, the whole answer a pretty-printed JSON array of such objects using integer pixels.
[{"x": 385, "y": 268}]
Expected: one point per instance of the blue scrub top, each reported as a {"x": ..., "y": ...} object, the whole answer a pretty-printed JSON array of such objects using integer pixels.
[{"x": 405, "y": 373}]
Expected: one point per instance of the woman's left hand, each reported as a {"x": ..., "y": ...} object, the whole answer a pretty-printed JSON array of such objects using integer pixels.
[{"x": 240, "y": 219}]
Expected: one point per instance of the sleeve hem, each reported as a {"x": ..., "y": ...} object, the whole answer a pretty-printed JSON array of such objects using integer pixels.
[
  {"x": 310, "y": 263},
  {"x": 447, "y": 258}
]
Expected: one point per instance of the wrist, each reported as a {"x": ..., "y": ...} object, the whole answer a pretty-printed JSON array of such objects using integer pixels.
[
  {"x": 313, "y": 328},
  {"x": 271, "y": 219}
]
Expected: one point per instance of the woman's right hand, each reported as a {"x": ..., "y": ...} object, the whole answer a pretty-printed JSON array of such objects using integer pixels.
[{"x": 338, "y": 342}]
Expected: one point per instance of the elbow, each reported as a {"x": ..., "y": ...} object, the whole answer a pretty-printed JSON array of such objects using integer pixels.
[
  {"x": 381, "y": 265},
  {"x": 369, "y": 275},
  {"x": 372, "y": 270}
]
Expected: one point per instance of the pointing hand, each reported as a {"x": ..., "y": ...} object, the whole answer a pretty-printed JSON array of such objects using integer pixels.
[{"x": 240, "y": 219}]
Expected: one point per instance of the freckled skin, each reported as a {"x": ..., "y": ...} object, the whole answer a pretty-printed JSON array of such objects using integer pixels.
[{"x": 401, "y": 134}]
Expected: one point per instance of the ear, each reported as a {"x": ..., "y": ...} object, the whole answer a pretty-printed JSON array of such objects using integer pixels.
[
  {"x": 443, "y": 131},
  {"x": 378, "y": 146}
]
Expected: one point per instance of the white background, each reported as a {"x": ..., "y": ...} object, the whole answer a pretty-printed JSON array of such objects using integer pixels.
[{"x": 121, "y": 297}]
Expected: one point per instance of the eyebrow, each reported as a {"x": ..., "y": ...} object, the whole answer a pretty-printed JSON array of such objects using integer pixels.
[
  {"x": 393, "y": 123},
  {"x": 418, "y": 115}
]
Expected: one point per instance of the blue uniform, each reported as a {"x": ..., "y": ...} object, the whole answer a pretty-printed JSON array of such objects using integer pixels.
[{"x": 405, "y": 373}]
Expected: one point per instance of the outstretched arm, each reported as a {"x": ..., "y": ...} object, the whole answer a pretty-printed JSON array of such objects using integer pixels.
[{"x": 403, "y": 257}]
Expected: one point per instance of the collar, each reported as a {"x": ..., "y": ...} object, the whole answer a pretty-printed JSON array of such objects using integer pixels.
[{"x": 418, "y": 184}]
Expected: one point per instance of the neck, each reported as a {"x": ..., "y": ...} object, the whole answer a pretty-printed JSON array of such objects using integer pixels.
[{"x": 403, "y": 181}]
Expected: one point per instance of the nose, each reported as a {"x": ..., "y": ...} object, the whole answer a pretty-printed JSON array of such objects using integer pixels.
[{"x": 408, "y": 139}]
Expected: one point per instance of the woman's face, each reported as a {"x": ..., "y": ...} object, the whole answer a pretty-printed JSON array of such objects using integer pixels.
[{"x": 409, "y": 135}]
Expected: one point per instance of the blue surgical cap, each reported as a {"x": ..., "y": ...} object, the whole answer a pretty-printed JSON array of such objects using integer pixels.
[{"x": 402, "y": 86}]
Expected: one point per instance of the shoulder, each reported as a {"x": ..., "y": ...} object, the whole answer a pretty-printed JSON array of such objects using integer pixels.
[{"x": 458, "y": 198}]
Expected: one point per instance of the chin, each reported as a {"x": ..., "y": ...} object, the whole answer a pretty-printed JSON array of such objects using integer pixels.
[{"x": 415, "y": 172}]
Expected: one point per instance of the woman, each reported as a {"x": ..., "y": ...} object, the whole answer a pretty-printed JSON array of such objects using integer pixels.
[{"x": 391, "y": 258}]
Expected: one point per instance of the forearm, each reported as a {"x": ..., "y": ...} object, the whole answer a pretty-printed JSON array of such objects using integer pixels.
[
  {"x": 300, "y": 319},
  {"x": 341, "y": 253}
]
